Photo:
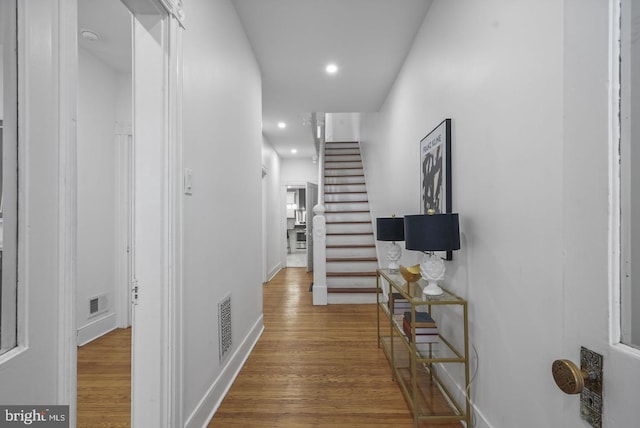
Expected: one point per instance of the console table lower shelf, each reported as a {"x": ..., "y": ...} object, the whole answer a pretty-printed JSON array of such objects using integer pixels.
[
  {"x": 434, "y": 402},
  {"x": 423, "y": 361}
]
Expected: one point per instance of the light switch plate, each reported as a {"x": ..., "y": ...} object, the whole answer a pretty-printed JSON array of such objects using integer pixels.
[
  {"x": 188, "y": 181},
  {"x": 591, "y": 395}
]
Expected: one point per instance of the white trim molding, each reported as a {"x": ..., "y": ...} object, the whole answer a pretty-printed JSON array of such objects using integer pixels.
[
  {"x": 210, "y": 403},
  {"x": 67, "y": 204}
]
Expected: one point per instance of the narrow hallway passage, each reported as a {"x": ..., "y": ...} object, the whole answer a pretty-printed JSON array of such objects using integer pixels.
[{"x": 314, "y": 366}]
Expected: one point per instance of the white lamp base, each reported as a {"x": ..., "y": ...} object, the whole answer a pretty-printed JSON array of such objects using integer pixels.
[
  {"x": 393, "y": 255},
  {"x": 432, "y": 270},
  {"x": 432, "y": 289}
]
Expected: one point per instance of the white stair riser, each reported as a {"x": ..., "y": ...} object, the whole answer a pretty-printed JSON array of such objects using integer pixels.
[
  {"x": 328, "y": 188},
  {"x": 351, "y": 252},
  {"x": 341, "y": 145},
  {"x": 355, "y": 157},
  {"x": 351, "y": 266},
  {"x": 351, "y": 298},
  {"x": 365, "y": 216},
  {"x": 354, "y": 206},
  {"x": 351, "y": 152},
  {"x": 345, "y": 197},
  {"x": 349, "y": 239},
  {"x": 343, "y": 165},
  {"x": 339, "y": 172},
  {"x": 351, "y": 281},
  {"x": 343, "y": 180},
  {"x": 346, "y": 228}
]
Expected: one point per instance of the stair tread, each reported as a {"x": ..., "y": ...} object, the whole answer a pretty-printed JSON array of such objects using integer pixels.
[
  {"x": 345, "y": 193},
  {"x": 345, "y": 184},
  {"x": 352, "y": 290},
  {"x": 348, "y": 222},
  {"x": 348, "y": 233},
  {"x": 351, "y": 246},
  {"x": 352, "y": 259},
  {"x": 345, "y": 202},
  {"x": 350, "y": 274},
  {"x": 347, "y": 212},
  {"x": 343, "y": 176},
  {"x": 337, "y": 168},
  {"x": 341, "y": 154}
]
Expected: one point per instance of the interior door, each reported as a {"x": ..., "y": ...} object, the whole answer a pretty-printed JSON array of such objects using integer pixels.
[
  {"x": 310, "y": 203},
  {"x": 590, "y": 291}
]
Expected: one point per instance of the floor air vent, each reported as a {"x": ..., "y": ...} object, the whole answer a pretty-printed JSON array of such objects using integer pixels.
[{"x": 224, "y": 326}]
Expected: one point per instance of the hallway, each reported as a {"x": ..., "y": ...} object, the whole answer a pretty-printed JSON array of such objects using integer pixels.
[{"x": 314, "y": 366}]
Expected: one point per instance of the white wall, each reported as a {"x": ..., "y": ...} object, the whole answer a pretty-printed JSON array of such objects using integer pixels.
[
  {"x": 342, "y": 127},
  {"x": 104, "y": 98},
  {"x": 1, "y": 81},
  {"x": 273, "y": 211},
  {"x": 298, "y": 171},
  {"x": 222, "y": 219},
  {"x": 490, "y": 68}
]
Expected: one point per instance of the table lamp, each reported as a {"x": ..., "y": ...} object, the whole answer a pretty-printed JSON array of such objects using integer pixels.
[
  {"x": 429, "y": 233},
  {"x": 391, "y": 229}
]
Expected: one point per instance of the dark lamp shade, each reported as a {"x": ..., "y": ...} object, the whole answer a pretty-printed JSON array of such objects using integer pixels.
[
  {"x": 390, "y": 229},
  {"x": 437, "y": 232}
]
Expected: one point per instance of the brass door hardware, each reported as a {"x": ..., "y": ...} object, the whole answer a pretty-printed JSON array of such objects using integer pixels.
[
  {"x": 586, "y": 381},
  {"x": 568, "y": 377}
]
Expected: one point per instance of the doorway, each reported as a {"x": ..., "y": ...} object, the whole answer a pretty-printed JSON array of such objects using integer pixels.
[
  {"x": 104, "y": 195},
  {"x": 296, "y": 225},
  {"x": 300, "y": 200}
]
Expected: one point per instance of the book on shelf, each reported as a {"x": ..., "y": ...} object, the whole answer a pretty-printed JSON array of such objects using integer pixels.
[
  {"x": 400, "y": 304},
  {"x": 406, "y": 325},
  {"x": 422, "y": 318},
  {"x": 420, "y": 338}
]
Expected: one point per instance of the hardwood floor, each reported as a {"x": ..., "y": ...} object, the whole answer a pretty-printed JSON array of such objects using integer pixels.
[
  {"x": 104, "y": 381},
  {"x": 314, "y": 366}
]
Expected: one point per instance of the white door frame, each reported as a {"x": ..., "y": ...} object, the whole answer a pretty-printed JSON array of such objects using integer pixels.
[
  {"x": 157, "y": 347},
  {"x": 156, "y": 396},
  {"x": 124, "y": 225}
]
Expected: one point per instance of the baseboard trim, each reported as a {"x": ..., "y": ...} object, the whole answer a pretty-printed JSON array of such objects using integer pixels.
[
  {"x": 274, "y": 272},
  {"x": 478, "y": 419},
  {"x": 96, "y": 328},
  {"x": 210, "y": 403}
]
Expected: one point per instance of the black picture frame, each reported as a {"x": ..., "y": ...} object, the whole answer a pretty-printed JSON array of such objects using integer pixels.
[{"x": 435, "y": 173}]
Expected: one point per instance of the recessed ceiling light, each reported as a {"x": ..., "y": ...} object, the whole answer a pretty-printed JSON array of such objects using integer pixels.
[
  {"x": 332, "y": 69},
  {"x": 89, "y": 35},
  {"x": 282, "y": 125},
  {"x": 294, "y": 151}
]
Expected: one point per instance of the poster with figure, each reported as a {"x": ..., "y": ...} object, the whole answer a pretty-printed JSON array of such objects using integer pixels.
[{"x": 435, "y": 171}]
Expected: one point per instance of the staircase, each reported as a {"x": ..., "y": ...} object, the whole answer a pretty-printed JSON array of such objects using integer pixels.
[{"x": 351, "y": 261}]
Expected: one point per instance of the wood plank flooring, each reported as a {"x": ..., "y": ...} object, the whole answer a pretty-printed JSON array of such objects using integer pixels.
[
  {"x": 314, "y": 366},
  {"x": 104, "y": 381}
]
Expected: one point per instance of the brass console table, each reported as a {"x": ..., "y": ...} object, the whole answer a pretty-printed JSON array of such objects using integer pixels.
[{"x": 418, "y": 368}]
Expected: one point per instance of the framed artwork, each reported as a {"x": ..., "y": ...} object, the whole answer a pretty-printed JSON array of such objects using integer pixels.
[{"x": 435, "y": 172}]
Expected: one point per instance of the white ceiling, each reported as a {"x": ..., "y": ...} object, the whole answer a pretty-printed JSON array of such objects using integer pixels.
[
  {"x": 111, "y": 20},
  {"x": 293, "y": 41}
]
